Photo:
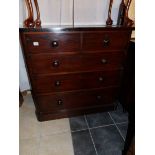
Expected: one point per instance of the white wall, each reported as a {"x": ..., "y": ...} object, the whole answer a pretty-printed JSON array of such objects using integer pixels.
[
  {"x": 23, "y": 79},
  {"x": 59, "y": 12}
]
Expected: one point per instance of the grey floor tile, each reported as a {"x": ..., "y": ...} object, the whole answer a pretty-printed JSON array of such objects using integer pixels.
[
  {"x": 82, "y": 143},
  {"x": 77, "y": 123},
  {"x": 107, "y": 140},
  {"x": 119, "y": 116},
  {"x": 123, "y": 128},
  {"x": 99, "y": 119}
]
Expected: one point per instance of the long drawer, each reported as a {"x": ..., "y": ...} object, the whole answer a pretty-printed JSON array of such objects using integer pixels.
[
  {"x": 68, "y": 82},
  {"x": 57, "y": 63},
  {"x": 52, "y": 42},
  {"x": 108, "y": 40},
  {"x": 74, "y": 100}
]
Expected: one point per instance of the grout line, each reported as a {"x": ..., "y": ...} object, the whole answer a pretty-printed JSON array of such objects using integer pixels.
[
  {"x": 102, "y": 126},
  {"x": 116, "y": 127},
  {"x": 90, "y": 135},
  {"x": 123, "y": 122},
  {"x": 79, "y": 130}
]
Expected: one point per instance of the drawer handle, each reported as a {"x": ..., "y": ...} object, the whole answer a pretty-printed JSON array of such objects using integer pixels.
[
  {"x": 106, "y": 42},
  {"x": 100, "y": 79},
  {"x": 99, "y": 97},
  {"x": 104, "y": 61},
  {"x": 55, "y": 43},
  {"x": 60, "y": 102},
  {"x": 57, "y": 83},
  {"x": 56, "y": 63}
]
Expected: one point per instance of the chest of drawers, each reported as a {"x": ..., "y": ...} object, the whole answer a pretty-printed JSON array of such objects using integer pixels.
[{"x": 74, "y": 70}]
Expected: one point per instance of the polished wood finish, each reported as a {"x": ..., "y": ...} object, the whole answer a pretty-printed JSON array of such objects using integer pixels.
[
  {"x": 60, "y": 63},
  {"x": 72, "y": 112},
  {"x": 29, "y": 22},
  {"x": 53, "y": 42},
  {"x": 77, "y": 29},
  {"x": 105, "y": 40},
  {"x": 109, "y": 20},
  {"x": 74, "y": 70},
  {"x": 75, "y": 81},
  {"x": 76, "y": 99},
  {"x": 37, "y": 21},
  {"x": 71, "y": 42}
]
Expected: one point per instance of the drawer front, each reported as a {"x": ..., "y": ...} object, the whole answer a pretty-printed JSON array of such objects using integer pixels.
[
  {"x": 116, "y": 40},
  {"x": 68, "y": 82},
  {"x": 48, "y": 63},
  {"x": 52, "y": 42},
  {"x": 74, "y": 100}
]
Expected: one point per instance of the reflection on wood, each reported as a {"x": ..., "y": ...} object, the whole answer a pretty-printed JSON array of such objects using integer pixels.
[
  {"x": 37, "y": 21},
  {"x": 29, "y": 22}
]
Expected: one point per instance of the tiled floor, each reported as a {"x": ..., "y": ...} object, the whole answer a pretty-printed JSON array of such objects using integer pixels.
[
  {"x": 95, "y": 134},
  {"x": 42, "y": 138},
  {"x": 99, "y": 134}
]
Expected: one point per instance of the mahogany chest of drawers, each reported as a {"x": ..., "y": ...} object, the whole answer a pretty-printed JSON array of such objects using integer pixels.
[{"x": 74, "y": 70}]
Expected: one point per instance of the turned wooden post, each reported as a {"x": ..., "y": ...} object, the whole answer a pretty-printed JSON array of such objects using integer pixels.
[
  {"x": 127, "y": 20},
  {"x": 29, "y": 22},
  {"x": 109, "y": 20},
  {"x": 37, "y": 21}
]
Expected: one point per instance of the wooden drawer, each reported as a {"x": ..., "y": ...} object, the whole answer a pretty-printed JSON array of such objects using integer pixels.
[
  {"x": 68, "y": 82},
  {"x": 56, "y": 63},
  {"x": 108, "y": 40},
  {"x": 52, "y": 42},
  {"x": 75, "y": 100}
]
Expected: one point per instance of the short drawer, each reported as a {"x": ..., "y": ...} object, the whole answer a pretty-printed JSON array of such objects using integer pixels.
[
  {"x": 56, "y": 63},
  {"x": 113, "y": 40},
  {"x": 69, "y": 82},
  {"x": 74, "y": 100},
  {"x": 52, "y": 42}
]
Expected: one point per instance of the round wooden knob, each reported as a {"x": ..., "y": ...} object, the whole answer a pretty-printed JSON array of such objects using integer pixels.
[
  {"x": 55, "y": 43},
  {"x": 57, "y": 83},
  {"x": 100, "y": 79},
  {"x": 99, "y": 97},
  {"x": 104, "y": 61},
  {"x": 56, "y": 63}
]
